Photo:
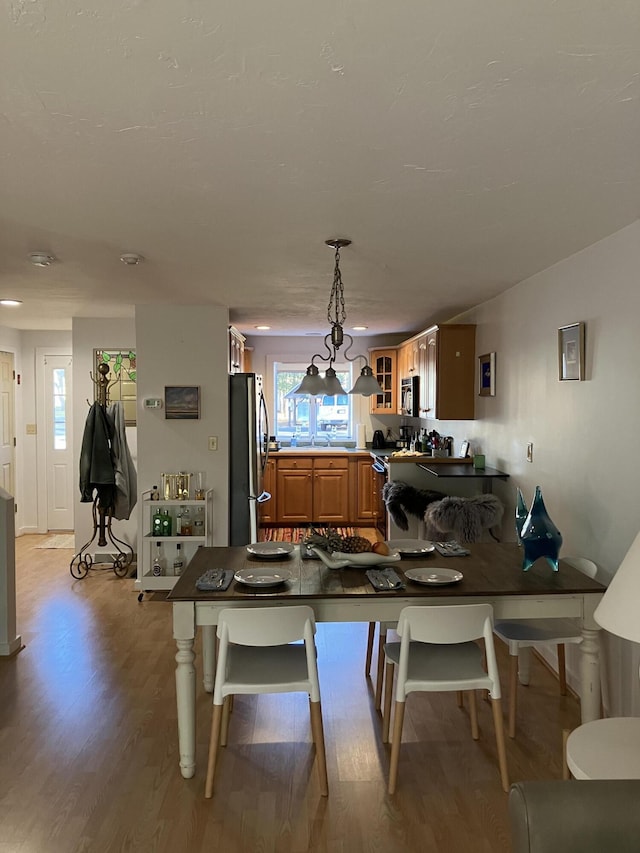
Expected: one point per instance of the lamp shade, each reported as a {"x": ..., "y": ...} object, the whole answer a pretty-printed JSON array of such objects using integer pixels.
[
  {"x": 312, "y": 383},
  {"x": 366, "y": 383},
  {"x": 619, "y": 609},
  {"x": 332, "y": 383}
]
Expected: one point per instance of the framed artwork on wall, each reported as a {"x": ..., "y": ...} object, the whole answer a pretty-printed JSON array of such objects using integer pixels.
[
  {"x": 571, "y": 352},
  {"x": 182, "y": 402},
  {"x": 487, "y": 375}
]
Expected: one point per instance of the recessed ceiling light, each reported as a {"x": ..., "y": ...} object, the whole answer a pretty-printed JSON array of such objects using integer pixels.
[
  {"x": 10, "y": 302},
  {"x": 41, "y": 259},
  {"x": 359, "y": 328},
  {"x": 263, "y": 328},
  {"x": 131, "y": 259}
]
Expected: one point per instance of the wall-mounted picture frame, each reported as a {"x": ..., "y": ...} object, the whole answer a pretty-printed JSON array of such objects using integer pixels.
[
  {"x": 182, "y": 402},
  {"x": 571, "y": 352},
  {"x": 487, "y": 375}
]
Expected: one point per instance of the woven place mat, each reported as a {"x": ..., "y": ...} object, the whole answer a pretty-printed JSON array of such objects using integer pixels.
[
  {"x": 215, "y": 580},
  {"x": 384, "y": 579}
]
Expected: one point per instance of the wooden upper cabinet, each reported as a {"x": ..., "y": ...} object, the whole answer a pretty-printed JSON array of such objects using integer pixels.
[
  {"x": 447, "y": 368},
  {"x": 236, "y": 350},
  {"x": 384, "y": 366}
]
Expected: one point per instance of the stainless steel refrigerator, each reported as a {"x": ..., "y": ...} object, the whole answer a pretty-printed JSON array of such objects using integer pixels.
[{"x": 248, "y": 451}]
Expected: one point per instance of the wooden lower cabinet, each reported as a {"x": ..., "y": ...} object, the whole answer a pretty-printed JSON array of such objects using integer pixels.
[
  {"x": 323, "y": 490},
  {"x": 267, "y": 510}
]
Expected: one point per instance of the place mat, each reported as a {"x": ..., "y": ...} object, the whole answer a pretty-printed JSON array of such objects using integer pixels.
[
  {"x": 215, "y": 580},
  {"x": 384, "y": 579},
  {"x": 451, "y": 549}
]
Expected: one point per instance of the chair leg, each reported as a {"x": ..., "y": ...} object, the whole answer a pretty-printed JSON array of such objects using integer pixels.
[
  {"x": 388, "y": 694},
  {"x": 214, "y": 739},
  {"x": 513, "y": 693},
  {"x": 473, "y": 713},
  {"x": 566, "y": 775},
  {"x": 562, "y": 669},
  {"x": 317, "y": 732},
  {"x": 398, "y": 720},
  {"x": 496, "y": 705},
  {"x": 460, "y": 698},
  {"x": 382, "y": 638},
  {"x": 226, "y": 711},
  {"x": 370, "y": 636}
]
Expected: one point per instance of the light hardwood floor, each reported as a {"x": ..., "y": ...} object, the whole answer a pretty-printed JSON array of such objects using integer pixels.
[{"x": 88, "y": 743}]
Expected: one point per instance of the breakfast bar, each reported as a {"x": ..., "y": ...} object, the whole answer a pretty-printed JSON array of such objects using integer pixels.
[{"x": 492, "y": 572}]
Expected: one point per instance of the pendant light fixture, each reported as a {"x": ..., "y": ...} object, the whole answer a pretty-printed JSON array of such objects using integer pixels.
[{"x": 313, "y": 384}]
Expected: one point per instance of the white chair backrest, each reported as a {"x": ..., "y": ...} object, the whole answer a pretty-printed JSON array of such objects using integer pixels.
[
  {"x": 587, "y": 567},
  {"x": 267, "y": 626},
  {"x": 456, "y": 623}
]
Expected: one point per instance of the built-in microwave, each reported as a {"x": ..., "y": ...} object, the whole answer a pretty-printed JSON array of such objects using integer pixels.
[{"x": 410, "y": 396}]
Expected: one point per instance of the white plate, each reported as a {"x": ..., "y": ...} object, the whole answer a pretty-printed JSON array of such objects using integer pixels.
[
  {"x": 262, "y": 577},
  {"x": 433, "y": 576},
  {"x": 340, "y": 560},
  {"x": 411, "y": 547},
  {"x": 270, "y": 550}
]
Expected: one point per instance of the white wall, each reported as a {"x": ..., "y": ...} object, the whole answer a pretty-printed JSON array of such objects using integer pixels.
[
  {"x": 584, "y": 434},
  {"x": 185, "y": 345}
]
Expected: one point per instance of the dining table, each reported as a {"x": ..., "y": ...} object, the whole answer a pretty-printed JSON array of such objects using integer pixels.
[{"x": 490, "y": 572}]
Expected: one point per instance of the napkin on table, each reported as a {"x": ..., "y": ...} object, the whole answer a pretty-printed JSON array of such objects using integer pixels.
[
  {"x": 382, "y": 579},
  {"x": 215, "y": 580}
]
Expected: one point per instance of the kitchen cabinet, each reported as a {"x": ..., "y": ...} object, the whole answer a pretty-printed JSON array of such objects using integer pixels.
[
  {"x": 312, "y": 489},
  {"x": 267, "y": 510},
  {"x": 384, "y": 366},
  {"x": 366, "y": 492},
  {"x": 447, "y": 371},
  {"x": 201, "y": 510},
  {"x": 236, "y": 350}
]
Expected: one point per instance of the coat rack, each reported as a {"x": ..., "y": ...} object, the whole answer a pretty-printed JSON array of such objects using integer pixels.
[{"x": 83, "y": 562}]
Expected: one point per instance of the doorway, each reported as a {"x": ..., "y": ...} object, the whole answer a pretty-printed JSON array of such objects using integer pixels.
[{"x": 55, "y": 441}]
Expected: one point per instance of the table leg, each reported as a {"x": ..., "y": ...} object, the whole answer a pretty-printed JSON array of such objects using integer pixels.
[
  {"x": 186, "y": 704},
  {"x": 209, "y": 656},
  {"x": 590, "y": 675}
]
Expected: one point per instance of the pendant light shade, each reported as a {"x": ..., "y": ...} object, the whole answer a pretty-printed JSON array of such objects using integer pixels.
[
  {"x": 312, "y": 384},
  {"x": 366, "y": 384},
  {"x": 332, "y": 383}
]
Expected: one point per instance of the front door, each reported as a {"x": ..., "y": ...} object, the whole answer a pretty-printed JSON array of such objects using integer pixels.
[
  {"x": 58, "y": 442},
  {"x": 7, "y": 423}
]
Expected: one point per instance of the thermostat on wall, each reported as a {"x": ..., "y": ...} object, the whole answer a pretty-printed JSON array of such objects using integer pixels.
[{"x": 153, "y": 403}]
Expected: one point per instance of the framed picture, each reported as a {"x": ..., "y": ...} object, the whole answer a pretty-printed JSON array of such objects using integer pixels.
[
  {"x": 487, "y": 375},
  {"x": 571, "y": 352},
  {"x": 182, "y": 402}
]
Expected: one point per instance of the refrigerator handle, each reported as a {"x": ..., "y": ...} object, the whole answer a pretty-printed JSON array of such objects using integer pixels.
[{"x": 263, "y": 419}]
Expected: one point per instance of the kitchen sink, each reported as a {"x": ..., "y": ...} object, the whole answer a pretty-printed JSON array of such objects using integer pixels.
[{"x": 317, "y": 449}]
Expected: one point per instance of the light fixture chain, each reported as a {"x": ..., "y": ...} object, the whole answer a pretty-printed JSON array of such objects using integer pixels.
[{"x": 336, "y": 300}]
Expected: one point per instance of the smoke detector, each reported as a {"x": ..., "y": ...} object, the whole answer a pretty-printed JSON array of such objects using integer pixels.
[
  {"x": 41, "y": 259},
  {"x": 131, "y": 259}
]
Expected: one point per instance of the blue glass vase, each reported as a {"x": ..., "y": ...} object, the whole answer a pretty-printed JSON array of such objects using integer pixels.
[
  {"x": 539, "y": 535},
  {"x": 521, "y": 514}
]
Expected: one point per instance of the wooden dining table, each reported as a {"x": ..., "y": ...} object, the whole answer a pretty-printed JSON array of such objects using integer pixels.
[{"x": 492, "y": 573}]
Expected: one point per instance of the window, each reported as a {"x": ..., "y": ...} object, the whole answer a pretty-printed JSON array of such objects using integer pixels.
[
  {"x": 59, "y": 376},
  {"x": 122, "y": 378},
  {"x": 328, "y": 418}
]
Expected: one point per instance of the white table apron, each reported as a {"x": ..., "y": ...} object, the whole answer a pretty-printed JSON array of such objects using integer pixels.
[{"x": 189, "y": 615}]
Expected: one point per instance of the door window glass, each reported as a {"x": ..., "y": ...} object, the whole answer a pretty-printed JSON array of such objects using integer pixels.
[{"x": 59, "y": 375}]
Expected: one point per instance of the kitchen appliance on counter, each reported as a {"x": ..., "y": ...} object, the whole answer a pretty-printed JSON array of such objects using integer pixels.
[
  {"x": 378, "y": 442},
  {"x": 248, "y": 454},
  {"x": 410, "y": 396}
]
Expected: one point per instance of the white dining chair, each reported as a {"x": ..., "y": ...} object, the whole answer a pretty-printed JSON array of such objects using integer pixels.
[
  {"x": 383, "y": 630},
  {"x": 259, "y": 652},
  {"x": 521, "y": 635},
  {"x": 437, "y": 653}
]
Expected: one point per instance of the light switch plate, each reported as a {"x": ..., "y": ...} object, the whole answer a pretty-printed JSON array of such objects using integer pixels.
[
  {"x": 530, "y": 452},
  {"x": 213, "y": 442}
]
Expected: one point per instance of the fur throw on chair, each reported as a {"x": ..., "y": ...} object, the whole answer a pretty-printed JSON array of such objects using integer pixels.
[
  {"x": 466, "y": 518},
  {"x": 400, "y": 499}
]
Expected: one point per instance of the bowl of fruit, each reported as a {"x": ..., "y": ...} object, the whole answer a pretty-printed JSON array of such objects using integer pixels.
[{"x": 337, "y": 551}]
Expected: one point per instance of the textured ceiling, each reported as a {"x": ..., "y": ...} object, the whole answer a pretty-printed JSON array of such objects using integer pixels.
[{"x": 461, "y": 146}]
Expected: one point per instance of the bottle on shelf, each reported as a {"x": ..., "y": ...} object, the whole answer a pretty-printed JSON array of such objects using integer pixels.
[
  {"x": 156, "y": 523},
  {"x": 155, "y": 494},
  {"x": 157, "y": 569},
  {"x": 166, "y": 523},
  {"x": 178, "y": 563},
  {"x": 179, "y": 521},
  {"x": 198, "y": 521},
  {"x": 187, "y": 529}
]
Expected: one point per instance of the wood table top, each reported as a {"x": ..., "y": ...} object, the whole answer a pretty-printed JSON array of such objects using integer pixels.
[{"x": 492, "y": 569}]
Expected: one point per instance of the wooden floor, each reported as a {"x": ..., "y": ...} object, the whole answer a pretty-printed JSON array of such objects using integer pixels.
[{"x": 88, "y": 743}]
